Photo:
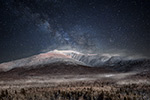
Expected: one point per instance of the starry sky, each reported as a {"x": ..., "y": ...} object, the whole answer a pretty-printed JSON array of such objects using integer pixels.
[{"x": 29, "y": 27}]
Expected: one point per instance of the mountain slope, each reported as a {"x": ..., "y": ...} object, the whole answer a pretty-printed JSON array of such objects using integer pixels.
[
  {"x": 52, "y": 69},
  {"x": 73, "y": 58},
  {"x": 41, "y": 59}
]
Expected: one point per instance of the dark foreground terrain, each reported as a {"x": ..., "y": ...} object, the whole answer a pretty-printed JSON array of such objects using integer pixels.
[
  {"x": 104, "y": 86},
  {"x": 95, "y": 90}
]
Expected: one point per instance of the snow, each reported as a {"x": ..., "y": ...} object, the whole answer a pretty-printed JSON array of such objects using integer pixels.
[
  {"x": 66, "y": 51},
  {"x": 67, "y": 56}
]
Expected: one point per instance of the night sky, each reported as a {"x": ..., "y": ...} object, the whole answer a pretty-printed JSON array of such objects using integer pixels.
[{"x": 29, "y": 27}]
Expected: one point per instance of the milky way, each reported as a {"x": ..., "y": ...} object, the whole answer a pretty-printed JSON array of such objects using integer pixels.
[{"x": 29, "y": 27}]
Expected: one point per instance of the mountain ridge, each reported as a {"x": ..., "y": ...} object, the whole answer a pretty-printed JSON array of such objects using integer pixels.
[{"x": 71, "y": 57}]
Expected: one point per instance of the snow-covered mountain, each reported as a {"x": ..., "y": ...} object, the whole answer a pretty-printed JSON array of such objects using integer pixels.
[
  {"x": 90, "y": 59},
  {"x": 71, "y": 57},
  {"x": 116, "y": 62},
  {"x": 41, "y": 59}
]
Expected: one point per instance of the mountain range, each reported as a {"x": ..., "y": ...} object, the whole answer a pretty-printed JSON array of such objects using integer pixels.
[{"x": 72, "y": 62}]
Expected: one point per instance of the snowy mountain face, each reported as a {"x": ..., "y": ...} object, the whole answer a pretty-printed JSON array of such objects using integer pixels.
[
  {"x": 92, "y": 59},
  {"x": 43, "y": 58},
  {"x": 88, "y": 59},
  {"x": 117, "y": 62},
  {"x": 76, "y": 58}
]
